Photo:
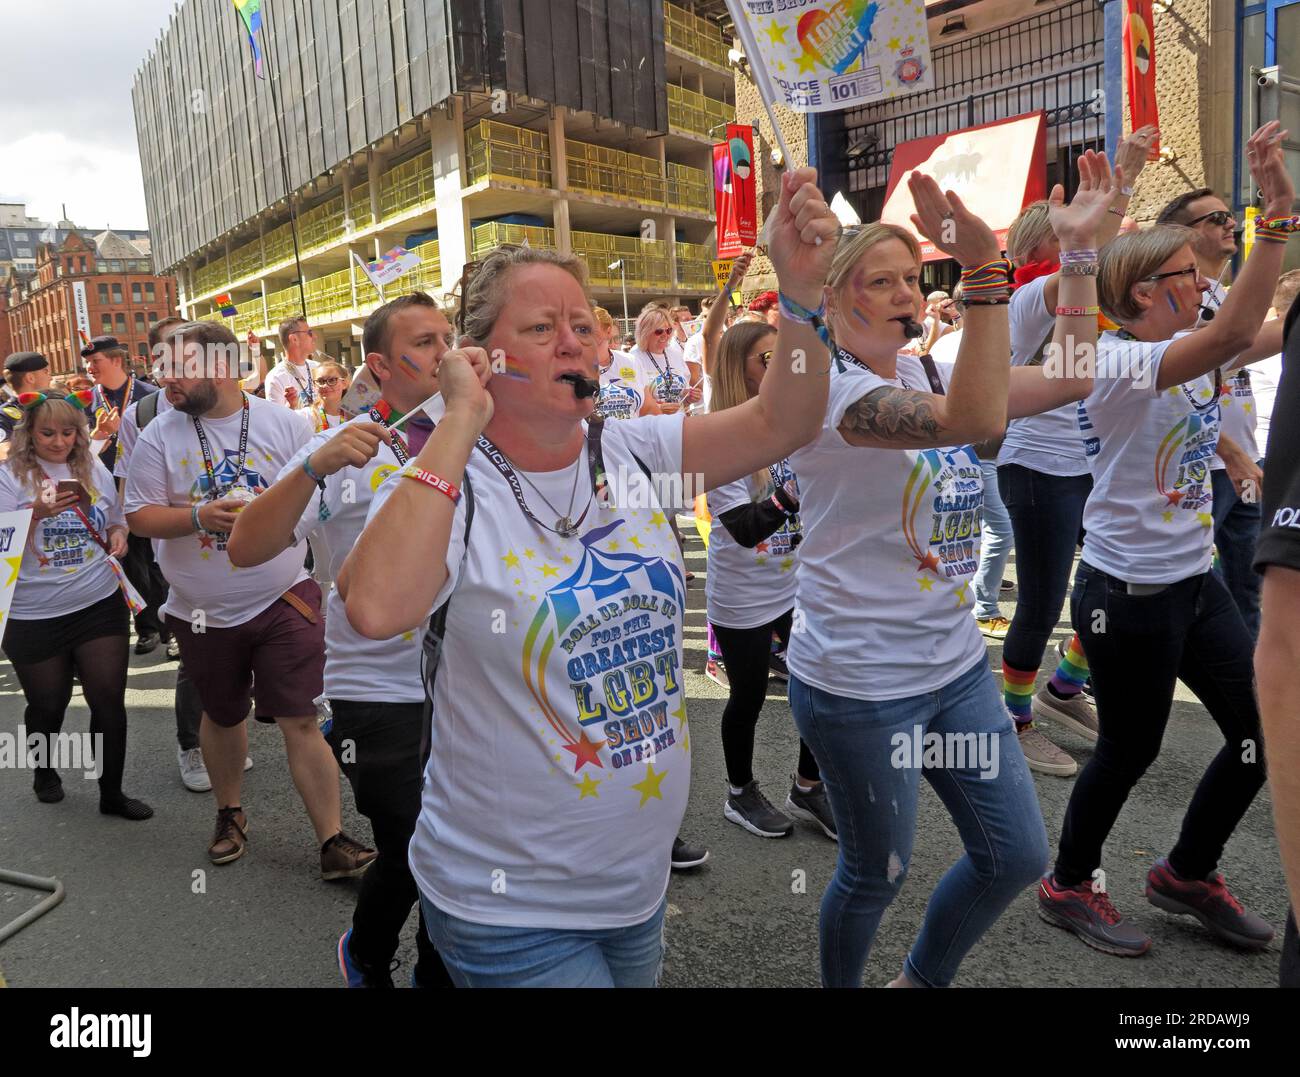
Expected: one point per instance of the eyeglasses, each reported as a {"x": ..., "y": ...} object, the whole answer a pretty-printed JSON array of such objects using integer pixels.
[
  {"x": 328, "y": 382},
  {"x": 1190, "y": 270},
  {"x": 1218, "y": 218},
  {"x": 765, "y": 358},
  {"x": 309, "y": 332}
]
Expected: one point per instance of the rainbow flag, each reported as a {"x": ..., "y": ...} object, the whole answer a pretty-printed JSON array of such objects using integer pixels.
[{"x": 251, "y": 12}]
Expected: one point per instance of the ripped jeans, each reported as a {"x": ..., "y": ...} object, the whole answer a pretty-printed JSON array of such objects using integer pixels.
[{"x": 868, "y": 753}]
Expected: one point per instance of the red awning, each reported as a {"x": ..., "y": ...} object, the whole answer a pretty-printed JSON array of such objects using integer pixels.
[{"x": 996, "y": 169}]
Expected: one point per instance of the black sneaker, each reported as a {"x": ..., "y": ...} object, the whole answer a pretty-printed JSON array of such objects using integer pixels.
[
  {"x": 47, "y": 785},
  {"x": 753, "y": 811},
  {"x": 147, "y": 643},
  {"x": 687, "y": 856},
  {"x": 812, "y": 806},
  {"x": 777, "y": 668}
]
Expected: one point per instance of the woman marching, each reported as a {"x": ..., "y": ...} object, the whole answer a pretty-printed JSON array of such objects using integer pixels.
[
  {"x": 890, "y": 663},
  {"x": 1146, "y": 606},
  {"x": 562, "y": 760},
  {"x": 331, "y": 383},
  {"x": 68, "y": 616},
  {"x": 750, "y": 587}
]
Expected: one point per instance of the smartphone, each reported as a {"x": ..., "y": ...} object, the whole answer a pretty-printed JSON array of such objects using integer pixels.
[{"x": 71, "y": 486}]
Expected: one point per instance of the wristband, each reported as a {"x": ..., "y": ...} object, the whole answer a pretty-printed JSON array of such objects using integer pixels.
[
  {"x": 1078, "y": 312},
  {"x": 194, "y": 519},
  {"x": 430, "y": 479},
  {"x": 1272, "y": 237},
  {"x": 986, "y": 301},
  {"x": 1277, "y": 226},
  {"x": 1127, "y": 192},
  {"x": 1116, "y": 211},
  {"x": 1079, "y": 269},
  {"x": 310, "y": 472},
  {"x": 1083, "y": 254},
  {"x": 795, "y": 313}
]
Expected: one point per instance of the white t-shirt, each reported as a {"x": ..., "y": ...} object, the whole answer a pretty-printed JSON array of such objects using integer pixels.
[
  {"x": 622, "y": 388},
  {"x": 167, "y": 468},
  {"x": 892, "y": 545},
  {"x": 560, "y": 764},
  {"x": 128, "y": 432},
  {"x": 945, "y": 348},
  {"x": 1048, "y": 442},
  {"x": 285, "y": 375},
  {"x": 63, "y": 569},
  {"x": 746, "y": 588},
  {"x": 356, "y": 668},
  {"x": 693, "y": 349},
  {"x": 666, "y": 375},
  {"x": 1149, "y": 516},
  {"x": 1264, "y": 378},
  {"x": 1237, "y": 415}
]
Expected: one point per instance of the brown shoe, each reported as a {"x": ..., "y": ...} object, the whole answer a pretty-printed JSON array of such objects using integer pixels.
[
  {"x": 230, "y": 837},
  {"x": 343, "y": 858}
]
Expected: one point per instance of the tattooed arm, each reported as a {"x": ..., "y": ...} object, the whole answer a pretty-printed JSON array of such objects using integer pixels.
[{"x": 890, "y": 418}]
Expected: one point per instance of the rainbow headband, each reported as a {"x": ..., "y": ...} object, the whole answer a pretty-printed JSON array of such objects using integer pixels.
[{"x": 82, "y": 399}]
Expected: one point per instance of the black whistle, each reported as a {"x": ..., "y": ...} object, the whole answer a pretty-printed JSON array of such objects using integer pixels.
[
  {"x": 1207, "y": 313},
  {"x": 583, "y": 388},
  {"x": 913, "y": 329}
]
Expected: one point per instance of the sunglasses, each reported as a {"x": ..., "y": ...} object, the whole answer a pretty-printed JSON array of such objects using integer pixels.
[
  {"x": 328, "y": 382},
  {"x": 1189, "y": 271},
  {"x": 81, "y": 399},
  {"x": 1218, "y": 218}
]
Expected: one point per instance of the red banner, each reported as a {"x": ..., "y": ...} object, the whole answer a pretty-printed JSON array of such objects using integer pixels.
[
  {"x": 733, "y": 191},
  {"x": 1140, "y": 68}
]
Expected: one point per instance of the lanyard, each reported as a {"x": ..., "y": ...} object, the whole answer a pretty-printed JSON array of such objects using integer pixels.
[
  {"x": 114, "y": 443},
  {"x": 1189, "y": 396},
  {"x": 308, "y": 396},
  {"x": 382, "y": 412},
  {"x": 209, "y": 464},
  {"x": 927, "y": 364},
  {"x": 498, "y": 460}
]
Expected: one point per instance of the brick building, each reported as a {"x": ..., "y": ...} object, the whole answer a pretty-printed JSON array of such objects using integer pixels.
[{"x": 103, "y": 285}]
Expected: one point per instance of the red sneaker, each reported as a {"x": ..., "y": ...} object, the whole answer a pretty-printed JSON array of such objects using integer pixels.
[
  {"x": 1211, "y": 902},
  {"x": 1091, "y": 916}
]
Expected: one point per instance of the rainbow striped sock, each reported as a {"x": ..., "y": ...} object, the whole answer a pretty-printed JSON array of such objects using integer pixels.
[
  {"x": 1071, "y": 674},
  {"x": 1017, "y": 692}
]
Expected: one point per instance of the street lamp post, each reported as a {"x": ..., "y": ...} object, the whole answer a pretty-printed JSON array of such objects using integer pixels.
[{"x": 622, "y": 276}]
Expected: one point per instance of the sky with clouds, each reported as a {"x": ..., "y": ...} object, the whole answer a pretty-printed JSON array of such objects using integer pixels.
[{"x": 68, "y": 134}]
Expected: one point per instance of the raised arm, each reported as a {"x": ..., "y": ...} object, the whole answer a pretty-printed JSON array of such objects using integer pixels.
[
  {"x": 1237, "y": 323},
  {"x": 791, "y": 404},
  {"x": 716, "y": 323}
]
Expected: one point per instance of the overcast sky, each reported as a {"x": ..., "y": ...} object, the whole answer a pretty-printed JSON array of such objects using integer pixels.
[{"x": 68, "y": 133}]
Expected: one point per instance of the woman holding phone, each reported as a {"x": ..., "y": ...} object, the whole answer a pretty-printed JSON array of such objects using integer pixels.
[{"x": 68, "y": 615}]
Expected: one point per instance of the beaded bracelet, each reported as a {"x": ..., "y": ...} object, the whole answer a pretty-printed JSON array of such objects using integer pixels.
[
  {"x": 1277, "y": 226},
  {"x": 1079, "y": 269},
  {"x": 1078, "y": 312}
]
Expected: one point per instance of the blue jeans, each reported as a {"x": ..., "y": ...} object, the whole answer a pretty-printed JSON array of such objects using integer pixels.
[
  {"x": 873, "y": 797},
  {"x": 995, "y": 546},
  {"x": 1047, "y": 517},
  {"x": 482, "y": 955},
  {"x": 1236, "y": 530}
]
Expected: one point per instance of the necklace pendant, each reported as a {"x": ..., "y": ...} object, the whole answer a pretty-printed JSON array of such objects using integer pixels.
[{"x": 566, "y": 527}]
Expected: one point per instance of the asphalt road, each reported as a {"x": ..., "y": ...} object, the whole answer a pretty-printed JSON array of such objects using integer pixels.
[{"x": 145, "y": 908}]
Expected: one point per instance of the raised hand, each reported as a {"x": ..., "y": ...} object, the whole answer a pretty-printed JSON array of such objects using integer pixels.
[
  {"x": 801, "y": 238},
  {"x": 462, "y": 377},
  {"x": 946, "y": 222},
  {"x": 1268, "y": 169},
  {"x": 738, "y": 270},
  {"x": 354, "y": 446},
  {"x": 1133, "y": 152},
  {"x": 1076, "y": 225}
]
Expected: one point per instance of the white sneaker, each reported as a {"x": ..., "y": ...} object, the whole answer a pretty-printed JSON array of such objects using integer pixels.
[{"x": 193, "y": 772}]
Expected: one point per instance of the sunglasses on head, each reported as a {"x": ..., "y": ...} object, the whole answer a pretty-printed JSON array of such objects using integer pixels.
[
  {"x": 1218, "y": 218},
  {"x": 81, "y": 399}
]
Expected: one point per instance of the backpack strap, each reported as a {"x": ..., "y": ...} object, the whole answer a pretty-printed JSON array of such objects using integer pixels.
[
  {"x": 146, "y": 411},
  {"x": 431, "y": 652}
]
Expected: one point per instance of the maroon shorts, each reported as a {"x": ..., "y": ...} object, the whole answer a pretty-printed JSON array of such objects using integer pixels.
[{"x": 277, "y": 658}]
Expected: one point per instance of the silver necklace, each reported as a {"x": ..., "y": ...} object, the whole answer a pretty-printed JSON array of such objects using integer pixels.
[{"x": 564, "y": 525}]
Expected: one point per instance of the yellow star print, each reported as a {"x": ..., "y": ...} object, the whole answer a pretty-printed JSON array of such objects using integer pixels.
[
  {"x": 776, "y": 32},
  {"x": 807, "y": 62},
  {"x": 926, "y": 583},
  {"x": 649, "y": 786},
  {"x": 613, "y": 547},
  {"x": 567, "y": 559},
  {"x": 587, "y": 787},
  {"x": 550, "y": 570},
  {"x": 1168, "y": 517},
  {"x": 686, "y": 742},
  {"x": 530, "y": 554},
  {"x": 787, "y": 564},
  {"x": 1205, "y": 519},
  {"x": 680, "y": 715},
  {"x": 893, "y": 44},
  {"x": 658, "y": 519},
  {"x": 961, "y": 595},
  {"x": 636, "y": 542},
  {"x": 511, "y": 559},
  {"x": 13, "y": 563}
]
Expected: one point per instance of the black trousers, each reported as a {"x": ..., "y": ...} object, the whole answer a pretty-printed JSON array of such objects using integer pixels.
[
  {"x": 147, "y": 578},
  {"x": 377, "y": 746},
  {"x": 1137, "y": 647}
]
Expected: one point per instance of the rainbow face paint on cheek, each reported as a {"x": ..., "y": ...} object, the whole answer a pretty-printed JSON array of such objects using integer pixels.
[
  {"x": 410, "y": 364},
  {"x": 1173, "y": 303},
  {"x": 861, "y": 316},
  {"x": 512, "y": 368}
]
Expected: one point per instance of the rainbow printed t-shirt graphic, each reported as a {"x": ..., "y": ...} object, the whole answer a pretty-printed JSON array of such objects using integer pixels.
[
  {"x": 61, "y": 543},
  {"x": 943, "y": 504}
]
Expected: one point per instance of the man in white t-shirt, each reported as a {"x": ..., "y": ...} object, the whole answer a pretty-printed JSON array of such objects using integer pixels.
[
  {"x": 290, "y": 381},
  {"x": 245, "y": 634},
  {"x": 375, "y": 688}
]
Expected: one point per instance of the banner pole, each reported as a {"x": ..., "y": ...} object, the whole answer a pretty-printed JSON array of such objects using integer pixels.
[{"x": 760, "y": 74}]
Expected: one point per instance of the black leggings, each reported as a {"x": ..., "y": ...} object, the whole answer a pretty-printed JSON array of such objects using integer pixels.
[
  {"x": 100, "y": 664},
  {"x": 745, "y": 653}
]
